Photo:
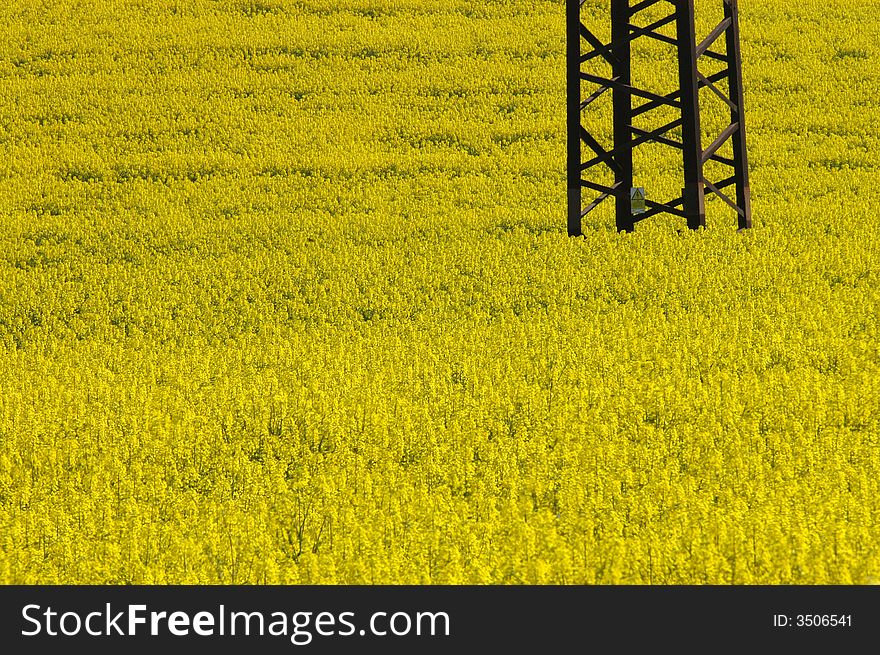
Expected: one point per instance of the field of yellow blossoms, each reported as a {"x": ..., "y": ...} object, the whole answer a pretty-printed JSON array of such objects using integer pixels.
[{"x": 286, "y": 296}]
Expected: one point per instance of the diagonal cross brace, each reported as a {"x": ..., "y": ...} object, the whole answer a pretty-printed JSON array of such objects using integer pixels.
[
  {"x": 601, "y": 153},
  {"x": 606, "y": 156}
]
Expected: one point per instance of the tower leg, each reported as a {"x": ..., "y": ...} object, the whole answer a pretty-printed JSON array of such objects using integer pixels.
[
  {"x": 693, "y": 192},
  {"x": 622, "y": 102},
  {"x": 737, "y": 115},
  {"x": 573, "y": 92}
]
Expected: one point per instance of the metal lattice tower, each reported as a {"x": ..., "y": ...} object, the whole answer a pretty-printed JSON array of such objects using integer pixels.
[{"x": 630, "y": 102}]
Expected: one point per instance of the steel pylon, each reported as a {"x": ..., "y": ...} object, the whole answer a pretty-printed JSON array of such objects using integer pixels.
[{"x": 630, "y": 102}]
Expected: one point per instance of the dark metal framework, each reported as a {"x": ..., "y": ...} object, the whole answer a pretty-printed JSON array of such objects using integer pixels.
[{"x": 686, "y": 100}]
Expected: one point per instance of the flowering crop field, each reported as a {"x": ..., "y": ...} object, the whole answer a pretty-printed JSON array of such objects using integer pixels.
[{"x": 286, "y": 297}]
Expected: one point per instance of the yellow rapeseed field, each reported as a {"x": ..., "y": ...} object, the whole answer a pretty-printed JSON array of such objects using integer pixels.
[{"x": 286, "y": 297}]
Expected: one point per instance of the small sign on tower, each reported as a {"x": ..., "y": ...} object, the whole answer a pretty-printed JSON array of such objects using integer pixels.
[{"x": 637, "y": 199}]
